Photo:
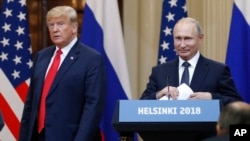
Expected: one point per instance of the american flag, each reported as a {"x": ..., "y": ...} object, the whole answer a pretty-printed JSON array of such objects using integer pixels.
[
  {"x": 15, "y": 65},
  {"x": 172, "y": 11}
]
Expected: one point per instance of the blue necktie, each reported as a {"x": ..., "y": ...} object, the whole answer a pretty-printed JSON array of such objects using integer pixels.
[{"x": 185, "y": 75}]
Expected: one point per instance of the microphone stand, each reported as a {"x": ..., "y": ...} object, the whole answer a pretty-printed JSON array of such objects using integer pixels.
[{"x": 168, "y": 88}]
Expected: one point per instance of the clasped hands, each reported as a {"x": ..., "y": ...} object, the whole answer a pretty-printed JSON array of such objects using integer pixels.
[{"x": 173, "y": 92}]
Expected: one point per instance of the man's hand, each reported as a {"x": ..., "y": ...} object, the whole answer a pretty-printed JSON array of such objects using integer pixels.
[
  {"x": 201, "y": 95},
  {"x": 169, "y": 90}
]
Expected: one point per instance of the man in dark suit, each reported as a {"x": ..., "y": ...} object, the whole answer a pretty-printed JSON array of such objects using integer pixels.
[
  {"x": 235, "y": 113},
  {"x": 75, "y": 100},
  {"x": 207, "y": 78}
]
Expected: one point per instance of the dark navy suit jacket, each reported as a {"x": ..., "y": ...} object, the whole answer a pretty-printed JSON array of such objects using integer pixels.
[
  {"x": 76, "y": 98},
  {"x": 209, "y": 76},
  {"x": 218, "y": 138}
]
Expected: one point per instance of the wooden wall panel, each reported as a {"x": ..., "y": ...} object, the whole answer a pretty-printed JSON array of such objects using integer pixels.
[{"x": 35, "y": 24}]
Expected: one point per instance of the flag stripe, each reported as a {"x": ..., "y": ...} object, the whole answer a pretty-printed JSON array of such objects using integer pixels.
[
  {"x": 242, "y": 6},
  {"x": 11, "y": 96},
  {"x": 6, "y": 134},
  {"x": 9, "y": 117},
  {"x": 22, "y": 90}
]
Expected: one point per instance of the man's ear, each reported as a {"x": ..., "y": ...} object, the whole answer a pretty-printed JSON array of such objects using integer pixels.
[{"x": 218, "y": 130}]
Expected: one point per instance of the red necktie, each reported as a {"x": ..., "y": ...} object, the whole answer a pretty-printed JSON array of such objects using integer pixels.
[{"x": 46, "y": 86}]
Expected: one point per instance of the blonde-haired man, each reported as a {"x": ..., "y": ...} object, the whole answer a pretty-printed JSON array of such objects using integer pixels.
[{"x": 67, "y": 106}]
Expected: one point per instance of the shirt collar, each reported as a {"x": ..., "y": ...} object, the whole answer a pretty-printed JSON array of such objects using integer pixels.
[
  {"x": 67, "y": 48},
  {"x": 193, "y": 61}
]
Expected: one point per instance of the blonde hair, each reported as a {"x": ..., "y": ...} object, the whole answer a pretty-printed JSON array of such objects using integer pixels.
[{"x": 63, "y": 11}]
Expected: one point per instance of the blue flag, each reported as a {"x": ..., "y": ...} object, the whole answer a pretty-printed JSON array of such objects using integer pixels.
[
  {"x": 238, "y": 52},
  {"x": 101, "y": 30},
  {"x": 172, "y": 11},
  {"x": 15, "y": 65}
]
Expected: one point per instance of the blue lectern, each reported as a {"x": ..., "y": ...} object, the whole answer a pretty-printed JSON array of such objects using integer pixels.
[{"x": 176, "y": 120}]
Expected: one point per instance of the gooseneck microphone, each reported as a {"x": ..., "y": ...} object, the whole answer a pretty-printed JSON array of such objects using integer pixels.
[{"x": 168, "y": 94}]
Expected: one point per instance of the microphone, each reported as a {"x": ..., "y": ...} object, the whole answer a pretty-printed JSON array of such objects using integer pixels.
[{"x": 168, "y": 88}]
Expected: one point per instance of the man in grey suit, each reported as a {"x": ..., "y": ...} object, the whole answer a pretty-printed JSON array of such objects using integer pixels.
[
  {"x": 75, "y": 100},
  {"x": 207, "y": 78}
]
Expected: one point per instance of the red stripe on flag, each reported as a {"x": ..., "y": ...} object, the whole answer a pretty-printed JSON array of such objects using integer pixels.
[
  {"x": 10, "y": 118},
  {"x": 103, "y": 137},
  {"x": 22, "y": 90}
]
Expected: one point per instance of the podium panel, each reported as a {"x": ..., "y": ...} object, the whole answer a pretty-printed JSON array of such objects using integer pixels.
[{"x": 154, "y": 120}]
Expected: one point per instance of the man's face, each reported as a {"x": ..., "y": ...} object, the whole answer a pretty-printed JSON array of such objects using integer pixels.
[
  {"x": 61, "y": 30},
  {"x": 186, "y": 39}
]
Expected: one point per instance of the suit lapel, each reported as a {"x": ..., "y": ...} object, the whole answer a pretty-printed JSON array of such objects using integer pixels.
[
  {"x": 41, "y": 68},
  {"x": 65, "y": 66},
  {"x": 174, "y": 75},
  {"x": 200, "y": 74},
  {"x": 170, "y": 71}
]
